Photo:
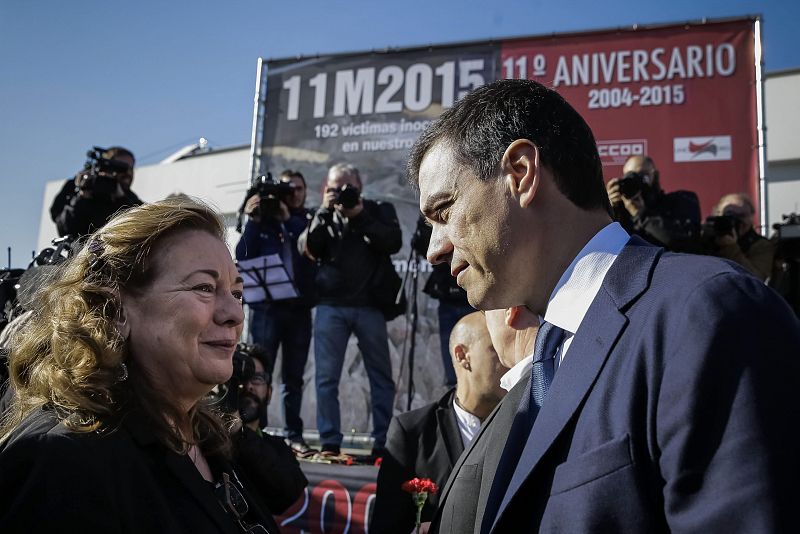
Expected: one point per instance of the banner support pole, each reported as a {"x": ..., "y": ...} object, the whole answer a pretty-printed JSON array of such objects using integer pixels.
[
  {"x": 762, "y": 145},
  {"x": 259, "y": 108}
]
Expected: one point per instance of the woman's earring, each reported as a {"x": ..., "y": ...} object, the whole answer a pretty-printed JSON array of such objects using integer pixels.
[
  {"x": 122, "y": 325},
  {"x": 123, "y": 372}
]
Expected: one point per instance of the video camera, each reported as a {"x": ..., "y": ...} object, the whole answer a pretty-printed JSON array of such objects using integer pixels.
[
  {"x": 100, "y": 174},
  {"x": 272, "y": 191},
  {"x": 631, "y": 184},
  {"x": 9, "y": 284},
  {"x": 785, "y": 277},
  {"x": 18, "y": 287},
  {"x": 789, "y": 228},
  {"x": 348, "y": 196}
]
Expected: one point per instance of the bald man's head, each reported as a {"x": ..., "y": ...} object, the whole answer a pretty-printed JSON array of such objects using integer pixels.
[
  {"x": 643, "y": 165},
  {"x": 478, "y": 369},
  {"x": 469, "y": 328}
]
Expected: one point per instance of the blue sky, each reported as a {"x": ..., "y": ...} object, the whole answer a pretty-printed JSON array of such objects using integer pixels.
[{"x": 154, "y": 76}]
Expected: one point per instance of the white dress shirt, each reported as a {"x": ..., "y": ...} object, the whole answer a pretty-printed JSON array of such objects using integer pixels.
[
  {"x": 468, "y": 424},
  {"x": 515, "y": 374},
  {"x": 580, "y": 283}
]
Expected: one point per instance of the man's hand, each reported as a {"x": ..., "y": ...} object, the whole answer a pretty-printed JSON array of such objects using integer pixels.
[
  {"x": 251, "y": 205},
  {"x": 614, "y": 196},
  {"x": 633, "y": 205},
  {"x": 423, "y": 528},
  {"x": 726, "y": 239},
  {"x": 329, "y": 200}
]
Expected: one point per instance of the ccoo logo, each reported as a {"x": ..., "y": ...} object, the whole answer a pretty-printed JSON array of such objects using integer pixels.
[
  {"x": 618, "y": 151},
  {"x": 713, "y": 148}
]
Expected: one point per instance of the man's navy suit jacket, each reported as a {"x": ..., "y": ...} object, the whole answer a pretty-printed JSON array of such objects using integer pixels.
[{"x": 674, "y": 409}]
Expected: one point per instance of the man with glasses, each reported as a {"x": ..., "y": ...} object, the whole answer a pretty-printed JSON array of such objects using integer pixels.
[{"x": 266, "y": 460}]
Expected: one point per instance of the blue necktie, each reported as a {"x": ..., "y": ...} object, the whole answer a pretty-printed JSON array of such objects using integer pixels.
[
  {"x": 543, "y": 368},
  {"x": 548, "y": 340}
]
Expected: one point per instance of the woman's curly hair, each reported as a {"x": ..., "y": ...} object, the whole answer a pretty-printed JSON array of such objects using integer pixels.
[{"x": 69, "y": 355}]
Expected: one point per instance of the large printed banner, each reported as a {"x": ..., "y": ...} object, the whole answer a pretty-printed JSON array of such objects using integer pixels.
[
  {"x": 683, "y": 94},
  {"x": 338, "y": 499}
]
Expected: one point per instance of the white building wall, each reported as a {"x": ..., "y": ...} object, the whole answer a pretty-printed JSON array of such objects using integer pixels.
[{"x": 782, "y": 102}]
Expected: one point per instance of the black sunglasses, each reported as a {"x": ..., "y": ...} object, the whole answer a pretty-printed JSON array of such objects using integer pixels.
[{"x": 235, "y": 504}]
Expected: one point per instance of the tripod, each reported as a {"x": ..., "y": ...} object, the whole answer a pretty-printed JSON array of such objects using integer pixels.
[{"x": 414, "y": 272}]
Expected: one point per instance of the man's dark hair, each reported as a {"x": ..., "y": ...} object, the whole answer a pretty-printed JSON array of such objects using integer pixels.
[
  {"x": 260, "y": 353},
  {"x": 290, "y": 173},
  {"x": 115, "y": 151},
  {"x": 480, "y": 126}
]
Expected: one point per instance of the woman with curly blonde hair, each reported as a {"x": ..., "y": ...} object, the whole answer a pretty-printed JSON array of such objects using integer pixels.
[{"x": 108, "y": 430}]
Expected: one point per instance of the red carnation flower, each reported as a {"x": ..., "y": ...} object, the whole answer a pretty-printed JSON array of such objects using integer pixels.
[
  {"x": 420, "y": 485},
  {"x": 419, "y": 488}
]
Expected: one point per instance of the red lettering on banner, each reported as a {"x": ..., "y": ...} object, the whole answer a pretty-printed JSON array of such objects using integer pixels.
[
  {"x": 321, "y": 522},
  {"x": 292, "y": 522},
  {"x": 362, "y": 506}
]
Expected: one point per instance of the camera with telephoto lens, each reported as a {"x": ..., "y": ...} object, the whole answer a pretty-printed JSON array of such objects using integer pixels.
[
  {"x": 719, "y": 225},
  {"x": 100, "y": 175},
  {"x": 272, "y": 192},
  {"x": 631, "y": 184},
  {"x": 348, "y": 196}
]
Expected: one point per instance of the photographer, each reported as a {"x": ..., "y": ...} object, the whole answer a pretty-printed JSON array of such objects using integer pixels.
[
  {"x": 276, "y": 218},
  {"x": 352, "y": 240},
  {"x": 102, "y": 188},
  {"x": 670, "y": 220},
  {"x": 729, "y": 234},
  {"x": 266, "y": 460}
]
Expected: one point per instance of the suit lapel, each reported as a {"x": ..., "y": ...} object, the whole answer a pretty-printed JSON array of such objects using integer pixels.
[
  {"x": 448, "y": 427},
  {"x": 464, "y": 455},
  {"x": 591, "y": 346}
]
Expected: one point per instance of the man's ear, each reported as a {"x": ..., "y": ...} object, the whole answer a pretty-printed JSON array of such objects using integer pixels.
[
  {"x": 462, "y": 357},
  {"x": 521, "y": 318},
  {"x": 521, "y": 169}
]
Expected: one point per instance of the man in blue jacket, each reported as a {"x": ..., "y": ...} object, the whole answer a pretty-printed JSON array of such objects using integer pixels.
[
  {"x": 283, "y": 323},
  {"x": 663, "y": 392}
]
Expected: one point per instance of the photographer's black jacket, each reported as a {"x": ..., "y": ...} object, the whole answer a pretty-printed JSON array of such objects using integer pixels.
[
  {"x": 77, "y": 216},
  {"x": 349, "y": 251},
  {"x": 669, "y": 220}
]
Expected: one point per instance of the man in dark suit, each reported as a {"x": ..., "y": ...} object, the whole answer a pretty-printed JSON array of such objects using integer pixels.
[
  {"x": 463, "y": 498},
  {"x": 426, "y": 442},
  {"x": 663, "y": 396}
]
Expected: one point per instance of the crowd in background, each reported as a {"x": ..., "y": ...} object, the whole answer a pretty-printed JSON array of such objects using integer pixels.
[{"x": 140, "y": 289}]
